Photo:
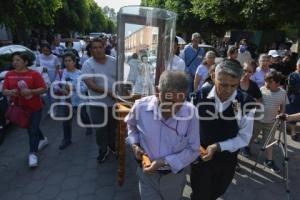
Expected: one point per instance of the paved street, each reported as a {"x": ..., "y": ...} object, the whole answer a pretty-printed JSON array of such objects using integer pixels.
[{"x": 74, "y": 173}]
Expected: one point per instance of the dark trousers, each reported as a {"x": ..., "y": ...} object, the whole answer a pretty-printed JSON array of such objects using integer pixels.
[
  {"x": 3, "y": 109},
  {"x": 190, "y": 86},
  {"x": 34, "y": 131},
  {"x": 209, "y": 180},
  {"x": 67, "y": 124},
  {"x": 105, "y": 135}
]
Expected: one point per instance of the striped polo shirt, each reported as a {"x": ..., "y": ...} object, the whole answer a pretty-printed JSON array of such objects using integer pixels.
[{"x": 272, "y": 101}]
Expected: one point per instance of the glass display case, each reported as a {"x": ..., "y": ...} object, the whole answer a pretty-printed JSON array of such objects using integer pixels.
[{"x": 145, "y": 43}]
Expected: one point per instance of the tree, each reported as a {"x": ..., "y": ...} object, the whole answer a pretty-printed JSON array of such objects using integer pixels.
[
  {"x": 217, "y": 16},
  {"x": 250, "y": 14},
  {"x": 153, "y": 3},
  {"x": 23, "y": 15},
  {"x": 187, "y": 21},
  {"x": 97, "y": 19},
  {"x": 73, "y": 16},
  {"x": 110, "y": 13}
]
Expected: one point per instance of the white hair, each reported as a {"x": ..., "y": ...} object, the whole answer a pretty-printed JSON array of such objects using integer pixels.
[
  {"x": 196, "y": 35},
  {"x": 230, "y": 67}
]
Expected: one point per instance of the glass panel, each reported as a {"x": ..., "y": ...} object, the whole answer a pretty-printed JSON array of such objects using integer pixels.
[
  {"x": 145, "y": 43},
  {"x": 141, "y": 43}
]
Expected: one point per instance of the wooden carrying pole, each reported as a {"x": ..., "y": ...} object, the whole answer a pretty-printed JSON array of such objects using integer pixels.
[{"x": 122, "y": 111}]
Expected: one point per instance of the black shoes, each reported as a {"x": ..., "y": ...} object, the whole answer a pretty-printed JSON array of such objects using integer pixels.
[
  {"x": 64, "y": 144},
  {"x": 103, "y": 155},
  {"x": 112, "y": 150}
]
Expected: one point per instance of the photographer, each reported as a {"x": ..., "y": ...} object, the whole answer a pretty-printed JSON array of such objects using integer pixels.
[
  {"x": 294, "y": 117},
  {"x": 289, "y": 118}
]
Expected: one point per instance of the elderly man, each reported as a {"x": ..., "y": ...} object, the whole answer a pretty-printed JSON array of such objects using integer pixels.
[
  {"x": 164, "y": 128},
  {"x": 193, "y": 56},
  {"x": 225, "y": 127}
]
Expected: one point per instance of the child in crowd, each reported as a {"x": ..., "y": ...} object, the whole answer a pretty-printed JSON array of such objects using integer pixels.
[
  {"x": 70, "y": 76},
  {"x": 274, "y": 99}
]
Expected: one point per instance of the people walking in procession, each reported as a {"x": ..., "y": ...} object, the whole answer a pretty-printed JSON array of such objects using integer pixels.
[
  {"x": 222, "y": 133},
  {"x": 70, "y": 77},
  {"x": 193, "y": 56},
  {"x": 101, "y": 110},
  {"x": 23, "y": 87},
  {"x": 171, "y": 142}
]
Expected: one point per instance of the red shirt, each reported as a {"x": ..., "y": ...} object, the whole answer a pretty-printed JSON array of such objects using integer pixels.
[{"x": 33, "y": 80}]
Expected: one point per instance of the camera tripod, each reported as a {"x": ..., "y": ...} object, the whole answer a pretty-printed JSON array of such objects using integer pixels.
[{"x": 281, "y": 141}]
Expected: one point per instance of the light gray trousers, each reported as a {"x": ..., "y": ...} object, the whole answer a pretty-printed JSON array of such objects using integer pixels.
[{"x": 161, "y": 187}]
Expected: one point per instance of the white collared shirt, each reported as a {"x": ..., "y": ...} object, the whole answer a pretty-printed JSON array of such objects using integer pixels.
[
  {"x": 245, "y": 124},
  {"x": 177, "y": 64}
]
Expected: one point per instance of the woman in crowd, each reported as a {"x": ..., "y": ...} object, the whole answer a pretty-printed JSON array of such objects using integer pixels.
[
  {"x": 246, "y": 84},
  {"x": 70, "y": 77},
  {"x": 24, "y": 87},
  {"x": 202, "y": 70},
  {"x": 232, "y": 53},
  {"x": 208, "y": 83},
  {"x": 51, "y": 65},
  {"x": 49, "y": 61},
  {"x": 250, "y": 87}
]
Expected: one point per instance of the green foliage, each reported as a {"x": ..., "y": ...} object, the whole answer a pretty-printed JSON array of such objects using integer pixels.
[
  {"x": 251, "y": 14},
  {"x": 62, "y": 16},
  {"x": 216, "y": 16},
  {"x": 73, "y": 16},
  {"x": 82, "y": 16},
  {"x": 28, "y": 13}
]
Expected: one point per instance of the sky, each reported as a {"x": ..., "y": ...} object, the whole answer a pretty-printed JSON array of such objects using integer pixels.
[{"x": 117, "y": 4}]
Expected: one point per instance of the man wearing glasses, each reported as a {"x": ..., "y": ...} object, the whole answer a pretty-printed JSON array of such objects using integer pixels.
[
  {"x": 164, "y": 128},
  {"x": 225, "y": 127}
]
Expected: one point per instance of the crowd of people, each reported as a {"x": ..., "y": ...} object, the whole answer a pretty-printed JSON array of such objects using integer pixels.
[
  {"x": 237, "y": 102},
  {"x": 60, "y": 92},
  {"x": 195, "y": 121}
]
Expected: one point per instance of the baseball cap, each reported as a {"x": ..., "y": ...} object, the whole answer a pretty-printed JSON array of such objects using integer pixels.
[{"x": 273, "y": 53}]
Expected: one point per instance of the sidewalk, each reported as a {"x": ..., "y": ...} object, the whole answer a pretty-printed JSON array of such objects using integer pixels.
[{"x": 74, "y": 174}]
